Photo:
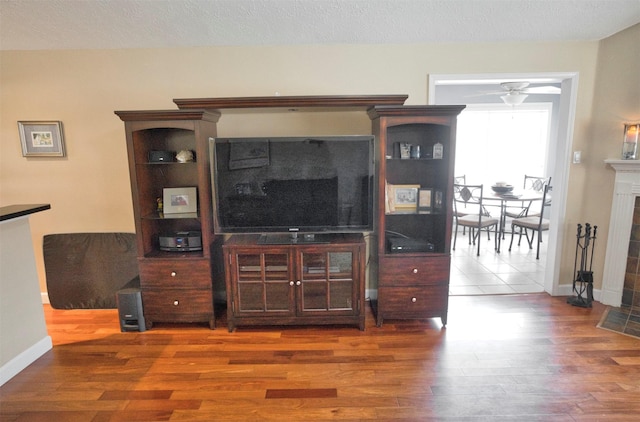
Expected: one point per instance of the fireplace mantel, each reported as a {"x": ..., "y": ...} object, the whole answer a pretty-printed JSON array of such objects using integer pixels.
[
  {"x": 626, "y": 189},
  {"x": 624, "y": 165}
]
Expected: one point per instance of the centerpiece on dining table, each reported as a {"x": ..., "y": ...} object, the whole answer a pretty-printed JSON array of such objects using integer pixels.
[{"x": 502, "y": 188}]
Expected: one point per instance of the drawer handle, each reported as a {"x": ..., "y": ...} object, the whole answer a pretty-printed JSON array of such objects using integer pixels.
[
  {"x": 298, "y": 283},
  {"x": 415, "y": 271},
  {"x": 176, "y": 303},
  {"x": 291, "y": 283},
  {"x": 173, "y": 273},
  {"x": 414, "y": 300}
]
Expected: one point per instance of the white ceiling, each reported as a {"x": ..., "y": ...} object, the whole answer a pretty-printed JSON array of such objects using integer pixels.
[{"x": 107, "y": 24}]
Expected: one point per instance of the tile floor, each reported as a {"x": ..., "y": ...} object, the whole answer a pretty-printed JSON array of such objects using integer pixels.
[
  {"x": 625, "y": 319},
  {"x": 491, "y": 273}
]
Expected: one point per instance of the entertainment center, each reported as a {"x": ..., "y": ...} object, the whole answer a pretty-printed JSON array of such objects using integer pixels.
[{"x": 281, "y": 219}]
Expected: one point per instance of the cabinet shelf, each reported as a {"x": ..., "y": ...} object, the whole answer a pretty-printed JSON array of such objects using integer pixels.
[
  {"x": 174, "y": 255},
  {"x": 177, "y": 216},
  {"x": 419, "y": 213},
  {"x": 258, "y": 268},
  {"x": 411, "y": 160},
  {"x": 168, "y": 163}
]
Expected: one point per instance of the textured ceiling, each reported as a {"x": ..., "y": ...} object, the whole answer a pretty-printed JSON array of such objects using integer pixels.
[{"x": 100, "y": 24}]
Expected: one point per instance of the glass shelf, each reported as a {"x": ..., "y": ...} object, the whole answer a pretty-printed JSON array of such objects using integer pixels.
[
  {"x": 175, "y": 216},
  {"x": 166, "y": 163},
  {"x": 408, "y": 160}
]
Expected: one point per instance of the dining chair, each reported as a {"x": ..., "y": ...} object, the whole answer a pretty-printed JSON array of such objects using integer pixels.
[
  {"x": 460, "y": 180},
  {"x": 470, "y": 197},
  {"x": 536, "y": 223},
  {"x": 534, "y": 183}
]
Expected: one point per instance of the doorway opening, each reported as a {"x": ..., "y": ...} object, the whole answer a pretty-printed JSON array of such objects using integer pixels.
[{"x": 464, "y": 89}]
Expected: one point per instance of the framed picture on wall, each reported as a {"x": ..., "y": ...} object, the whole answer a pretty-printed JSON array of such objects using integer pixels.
[{"x": 41, "y": 139}]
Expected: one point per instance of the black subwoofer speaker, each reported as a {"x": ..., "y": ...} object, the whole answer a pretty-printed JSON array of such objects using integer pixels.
[{"x": 130, "y": 310}]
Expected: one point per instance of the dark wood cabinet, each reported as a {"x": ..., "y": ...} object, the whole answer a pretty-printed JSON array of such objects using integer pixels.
[
  {"x": 176, "y": 285},
  {"x": 295, "y": 284},
  {"x": 415, "y": 159}
]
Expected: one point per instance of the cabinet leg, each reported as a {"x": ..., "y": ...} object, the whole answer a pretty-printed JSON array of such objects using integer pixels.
[
  {"x": 148, "y": 324},
  {"x": 212, "y": 323},
  {"x": 443, "y": 318}
]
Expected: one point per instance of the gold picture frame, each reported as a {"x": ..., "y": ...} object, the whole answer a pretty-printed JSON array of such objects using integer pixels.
[{"x": 402, "y": 199}]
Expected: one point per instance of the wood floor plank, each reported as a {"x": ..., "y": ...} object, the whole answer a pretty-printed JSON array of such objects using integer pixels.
[
  {"x": 48, "y": 416},
  {"x": 159, "y": 404},
  {"x": 300, "y": 393},
  {"x": 501, "y": 358},
  {"x": 133, "y": 415},
  {"x": 136, "y": 395}
]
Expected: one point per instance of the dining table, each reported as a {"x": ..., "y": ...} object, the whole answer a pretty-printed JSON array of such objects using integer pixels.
[{"x": 502, "y": 201}]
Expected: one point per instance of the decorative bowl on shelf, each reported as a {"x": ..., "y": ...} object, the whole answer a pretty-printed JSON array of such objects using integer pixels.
[
  {"x": 184, "y": 156},
  {"x": 502, "y": 188}
]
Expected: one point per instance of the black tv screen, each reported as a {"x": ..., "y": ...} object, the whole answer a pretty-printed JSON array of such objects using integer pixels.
[{"x": 293, "y": 184}]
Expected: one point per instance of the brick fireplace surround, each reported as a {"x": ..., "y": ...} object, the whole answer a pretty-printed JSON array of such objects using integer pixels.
[{"x": 631, "y": 287}]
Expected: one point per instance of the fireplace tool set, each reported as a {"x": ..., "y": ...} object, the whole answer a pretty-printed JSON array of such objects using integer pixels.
[{"x": 583, "y": 280}]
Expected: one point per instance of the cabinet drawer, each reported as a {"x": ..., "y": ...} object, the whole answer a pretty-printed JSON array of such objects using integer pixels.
[
  {"x": 412, "y": 302},
  {"x": 177, "y": 304},
  {"x": 175, "y": 274},
  {"x": 413, "y": 271}
]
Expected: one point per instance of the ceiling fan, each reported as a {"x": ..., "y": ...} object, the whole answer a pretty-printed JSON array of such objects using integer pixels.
[{"x": 514, "y": 93}]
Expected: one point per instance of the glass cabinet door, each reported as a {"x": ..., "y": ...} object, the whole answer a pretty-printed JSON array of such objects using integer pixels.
[
  {"x": 327, "y": 281},
  {"x": 264, "y": 283}
]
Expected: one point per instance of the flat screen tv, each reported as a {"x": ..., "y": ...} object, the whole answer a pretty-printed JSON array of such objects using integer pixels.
[{"x": 315, "y": 184}]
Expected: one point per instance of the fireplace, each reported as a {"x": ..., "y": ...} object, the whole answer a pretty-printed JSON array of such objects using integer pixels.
[
  {"x": 623, "y": 243},
  {"x": 631, "y": 286}
]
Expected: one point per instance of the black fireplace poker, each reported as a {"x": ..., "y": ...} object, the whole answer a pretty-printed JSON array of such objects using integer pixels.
[{"x": 582, "y": 268}]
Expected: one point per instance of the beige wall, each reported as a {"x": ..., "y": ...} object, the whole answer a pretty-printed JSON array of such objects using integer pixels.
[
  {"x": 89, "y": 189},
  {"x": 616, "y": 101}
]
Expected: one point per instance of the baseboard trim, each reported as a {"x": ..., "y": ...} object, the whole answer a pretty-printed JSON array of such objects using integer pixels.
[
  {"x": 45, "y": 298},
  {"x": 567, "y": 290},
  {"x": 563, "y": 290},
  {"x": 24, "y": 359}
]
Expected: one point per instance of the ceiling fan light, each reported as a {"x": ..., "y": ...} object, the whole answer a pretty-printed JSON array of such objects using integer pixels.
[
  {"x": 509, "y": 86},
  {"x": 513, "y": 99}
]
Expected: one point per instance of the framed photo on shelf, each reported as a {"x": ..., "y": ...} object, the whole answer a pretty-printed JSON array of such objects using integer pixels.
[
  {"x": 402, "y": 198},
  {"x": 437, "y": 200},
  {"x": 425, "y": 200},
  {"x": 180, "y": 200},
  {"x": 41, "y": 139}
]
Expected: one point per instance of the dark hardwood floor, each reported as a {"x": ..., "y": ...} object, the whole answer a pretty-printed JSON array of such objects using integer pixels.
[{"x": 501, "y": 358}]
